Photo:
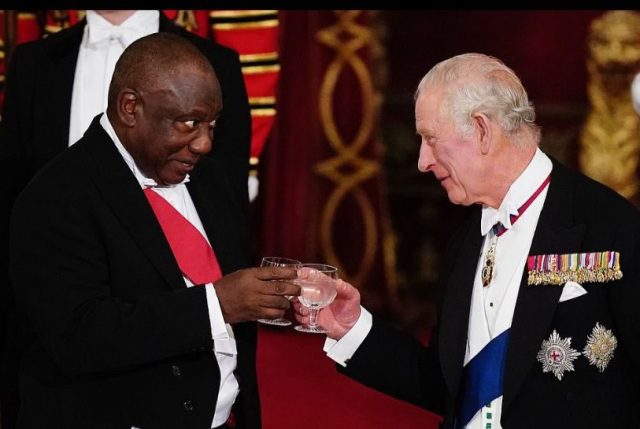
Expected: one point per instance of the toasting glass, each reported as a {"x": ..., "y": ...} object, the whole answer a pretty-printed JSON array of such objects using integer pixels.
[
  {"x": 317, "y": 290},
  {"x": 275, "y": 261}
]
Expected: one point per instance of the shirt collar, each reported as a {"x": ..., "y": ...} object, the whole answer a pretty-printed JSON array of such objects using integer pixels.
[
  {"x": 141, "y": 23},
  {"x": 144, "y": 181},
  {"x": 519, "y": 191}
]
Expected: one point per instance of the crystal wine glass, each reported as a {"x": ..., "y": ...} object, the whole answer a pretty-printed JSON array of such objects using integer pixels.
[
  {"x": 274, "y": 261},
  {"x": 317, "y": 291}
]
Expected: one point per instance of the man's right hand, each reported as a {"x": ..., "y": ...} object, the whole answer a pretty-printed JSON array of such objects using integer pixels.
[
  {"x": 250, "y": 294},
  {"x": 340, "y": 316}
]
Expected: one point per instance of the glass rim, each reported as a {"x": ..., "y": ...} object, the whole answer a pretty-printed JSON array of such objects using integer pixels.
[
  {"x": 280, "y": 261},
  {"x": 324, "y": 268}
]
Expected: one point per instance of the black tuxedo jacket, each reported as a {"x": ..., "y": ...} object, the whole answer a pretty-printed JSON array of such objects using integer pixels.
[
  {"x": 117, "y": 340},
  {"x": 579, "y": 215}
]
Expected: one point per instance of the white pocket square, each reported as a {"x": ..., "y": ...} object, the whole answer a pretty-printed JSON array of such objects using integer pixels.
[{"x": 571, "y": 290}]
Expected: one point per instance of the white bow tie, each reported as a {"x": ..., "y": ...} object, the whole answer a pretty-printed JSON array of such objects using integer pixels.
[
  {"x": 491, "y": 217},
  {"x": 125, "y": 35}
]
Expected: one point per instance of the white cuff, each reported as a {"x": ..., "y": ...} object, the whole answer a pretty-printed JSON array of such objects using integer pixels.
[
  {"x": 342, "y": 350},
  {"x": 223, "y": 339}
]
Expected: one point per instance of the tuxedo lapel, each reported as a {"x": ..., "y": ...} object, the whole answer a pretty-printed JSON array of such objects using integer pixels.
[
  {"x": 52, "y": 102},
  {"x": 556, "y": 233},
  {"x": 119, "y": 188},
  {"x": 457, "y": 303}
]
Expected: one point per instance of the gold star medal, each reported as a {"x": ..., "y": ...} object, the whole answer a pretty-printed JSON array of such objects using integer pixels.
[{"x": 600, "y": 347}]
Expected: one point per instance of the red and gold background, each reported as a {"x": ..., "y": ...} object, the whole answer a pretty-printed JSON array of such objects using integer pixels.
[{"x": 335, "y": 149}]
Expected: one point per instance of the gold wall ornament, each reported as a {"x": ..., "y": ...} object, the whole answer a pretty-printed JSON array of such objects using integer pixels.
[
  {"x": 59, "y": 20},
  {"x": 610, "y": 138},
  {"x": 352, "y": 45},
  {"x": 186, "y": 18}
]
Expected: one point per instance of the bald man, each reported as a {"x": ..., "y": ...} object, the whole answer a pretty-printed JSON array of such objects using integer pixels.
[
  {"x": 54, "y": 87},
  {"x": 127, "y": 329}
]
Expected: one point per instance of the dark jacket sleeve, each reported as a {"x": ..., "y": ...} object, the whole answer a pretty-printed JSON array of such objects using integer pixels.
[
  {"x": 400, "y": 366},
  {"x": 15, "y": 133},
  {"x": 13, "y": 144}
]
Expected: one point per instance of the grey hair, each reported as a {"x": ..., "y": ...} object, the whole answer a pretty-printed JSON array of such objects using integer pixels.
[{"x": 477, "y": 83}]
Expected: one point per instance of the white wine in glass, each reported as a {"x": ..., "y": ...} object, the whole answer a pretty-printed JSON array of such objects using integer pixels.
[
  {"x": 317, "y": 290},
  {"x": 275, "y": 261}
]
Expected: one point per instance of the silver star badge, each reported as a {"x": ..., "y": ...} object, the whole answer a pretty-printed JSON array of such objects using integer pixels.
[
  {"x": 600, "y": 347},
  {"x": 556, "y": 355}
]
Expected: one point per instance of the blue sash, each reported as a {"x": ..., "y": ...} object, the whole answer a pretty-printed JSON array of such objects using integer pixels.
[{"x": 482, "y": 378}]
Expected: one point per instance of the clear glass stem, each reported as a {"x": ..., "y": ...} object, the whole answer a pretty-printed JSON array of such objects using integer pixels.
[{"x": 313, "y": 317}]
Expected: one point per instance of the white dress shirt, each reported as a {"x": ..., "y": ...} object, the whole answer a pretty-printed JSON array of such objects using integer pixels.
[
  {"x": 224, "y": 344},
  {"x": 101, "y": 46},
  {"x": 492, "y": 307}
]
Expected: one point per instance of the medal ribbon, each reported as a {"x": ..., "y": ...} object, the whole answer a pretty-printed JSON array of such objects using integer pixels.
[{"x": 500, "y": 229}]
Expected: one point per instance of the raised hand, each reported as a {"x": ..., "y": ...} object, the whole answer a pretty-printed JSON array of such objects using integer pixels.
[
  {"x": 249, "y": 294},
  {"x": 340, "y": 316},
  {"x": 277, "y": 261}
]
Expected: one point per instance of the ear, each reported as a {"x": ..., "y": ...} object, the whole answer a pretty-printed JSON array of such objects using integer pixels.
[
  {"x": 483, "y": 129},
  {"x": 128, "y": 106}
]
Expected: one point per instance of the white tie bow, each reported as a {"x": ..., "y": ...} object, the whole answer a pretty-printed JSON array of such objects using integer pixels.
[
  {"x": 491, "y": 216},
  {"x": 125, "y": 35}
]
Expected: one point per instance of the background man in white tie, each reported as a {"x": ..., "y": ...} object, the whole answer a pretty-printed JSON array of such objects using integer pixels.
[{"x": 538, "y": 321}]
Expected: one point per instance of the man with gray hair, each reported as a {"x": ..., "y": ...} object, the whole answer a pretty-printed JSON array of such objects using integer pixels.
[{"x": 538, "y": 324}]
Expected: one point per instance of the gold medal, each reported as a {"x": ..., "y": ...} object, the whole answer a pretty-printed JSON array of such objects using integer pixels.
[
  {"x": 600, "y": 347},
  {"x": 489, "y": 263}
]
